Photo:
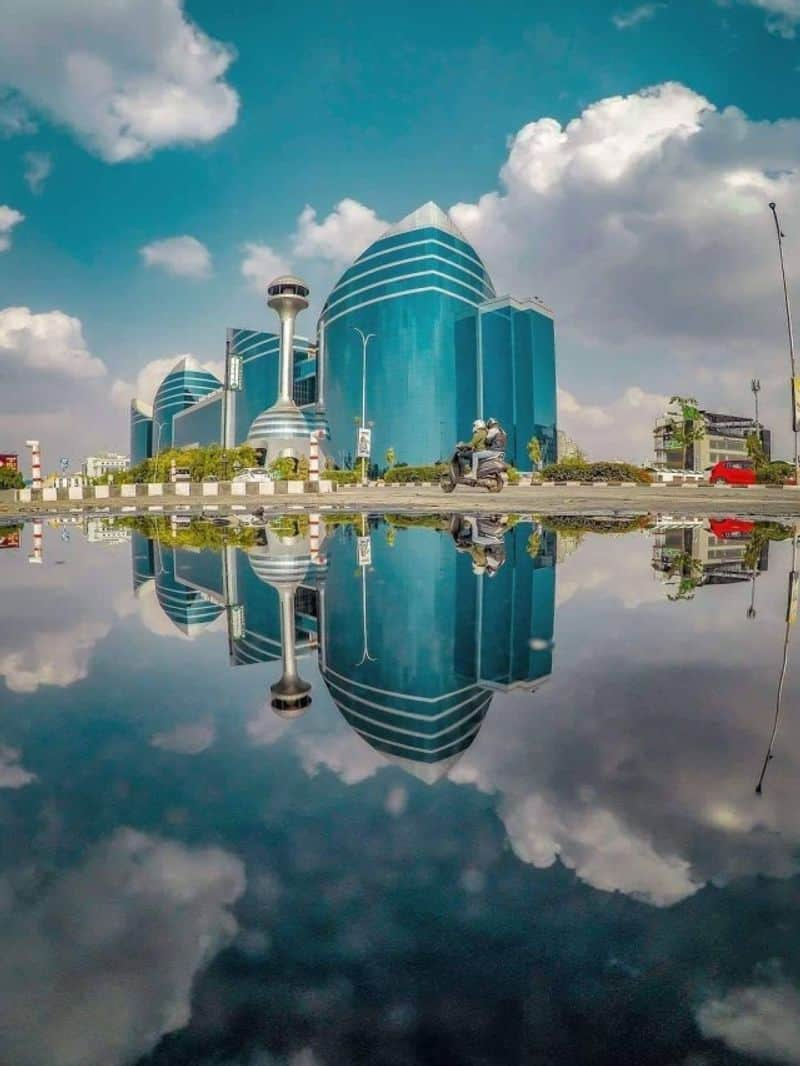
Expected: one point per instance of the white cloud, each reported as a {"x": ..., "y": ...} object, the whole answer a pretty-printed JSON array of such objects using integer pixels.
[
  {"x": 758, "y": 1020},
  {"x": 50, "y": 340},
  {"x": 14, "y": 117},
  {"x": 73, "y": 990},
  {"x": 621, "y": 428},
  {"x": 38, "y": 166},
  {"x": 52, "y": 657},
  {"x": 150, "y": 377},
  {"x": 261, "y": 264},
  {"x": 127, "y": 78},
  {"x": 646, "y": 219},
  {"x": 180, "y": 256},
  {"x": 9, "y": 218},
  {"x": 345, "y": 754},
  {"x": 190, "y": 738},
  {"x": 623, "y": 20},
  {"x": 341, "y": 236},
  {"x": 783, "y": 16},
  {"x": 12, "y": 775}
]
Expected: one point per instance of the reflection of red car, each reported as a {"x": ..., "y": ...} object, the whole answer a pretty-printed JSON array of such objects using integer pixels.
[
  {"x": 730, "y": 528},
  {"x": 733, "y": 472}
]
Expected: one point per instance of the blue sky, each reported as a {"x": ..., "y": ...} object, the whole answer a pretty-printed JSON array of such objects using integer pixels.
[{"x": 222, "y": 123}]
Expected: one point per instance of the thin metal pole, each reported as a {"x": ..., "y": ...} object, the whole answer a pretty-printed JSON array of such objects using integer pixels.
[
  {"x": 779, "y": 232},
  {"x": 365, "y": 339}
]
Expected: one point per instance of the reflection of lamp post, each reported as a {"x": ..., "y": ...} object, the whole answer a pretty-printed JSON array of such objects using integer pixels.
[
  {"x": 290, "y": 692},
  {"x": 791, "y": 343},
  {"x": 751, "y": 610},
  {"x": 365, "y": 339},
  {"x": 791, "y": 615},
  {"x": 364, "y": 561}
]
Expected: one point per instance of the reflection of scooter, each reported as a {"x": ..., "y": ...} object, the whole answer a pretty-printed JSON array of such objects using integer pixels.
[
  {"x": 491, "y": 471},
  {"x": 483, "y": 537}
]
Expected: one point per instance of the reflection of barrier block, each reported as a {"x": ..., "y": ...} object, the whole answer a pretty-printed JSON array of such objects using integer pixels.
[
  {"x": 75, "y": 492},
  {"x": 101, "y": 492},
  {"x": 238, "y": 488},
  {"x": 182, "y": 488},
  {"x": 210, "y": 488},
  {"x": 49, "y": 494},
  {"x": 127, "y": 490},
  {"x": 154, "y": 489}
]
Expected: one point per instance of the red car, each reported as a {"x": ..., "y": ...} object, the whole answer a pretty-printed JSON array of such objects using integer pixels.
[{"x": 733, "y": 472}]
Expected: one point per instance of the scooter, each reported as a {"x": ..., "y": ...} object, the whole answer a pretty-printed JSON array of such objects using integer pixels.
[
  {"x": 491, "y": 472},
  {"x": 487, "y": 531}
]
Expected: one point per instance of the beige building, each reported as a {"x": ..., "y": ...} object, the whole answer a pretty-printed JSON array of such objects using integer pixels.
[{"x": 724, "y": 437}]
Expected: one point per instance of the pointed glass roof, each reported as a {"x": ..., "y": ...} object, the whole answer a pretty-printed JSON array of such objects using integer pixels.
[{"x": 429, "y": 214}]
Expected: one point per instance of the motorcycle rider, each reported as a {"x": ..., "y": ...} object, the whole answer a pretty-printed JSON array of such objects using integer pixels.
[
  {"x": 477, "y": 443},
  {"x": 494, "y": 444}
]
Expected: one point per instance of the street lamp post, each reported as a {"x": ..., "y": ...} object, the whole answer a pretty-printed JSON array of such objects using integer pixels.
[
  {"x": 780, "y": 234},
  {"x": 365, "y": 339}
]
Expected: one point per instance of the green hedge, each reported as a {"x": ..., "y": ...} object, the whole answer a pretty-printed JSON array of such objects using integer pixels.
[
  {"x": 601, "y": 471},
  {"x": 776, "y": 473},
  {"x": 402, "y": 475},
  {"x": 341, "y": 477}
]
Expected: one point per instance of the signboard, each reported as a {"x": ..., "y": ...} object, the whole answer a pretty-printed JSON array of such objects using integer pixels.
[
  {"x": 63, "y": 462},
  {"x": 9, "y": 459},
  {"x": 234, "y": 368},
  {"x": 796, "y": 403},
  {"x": 364, "y": 551},
  {"x": 9, "y": 540},
  {"x": 364, "y": 444},
  {"x": 237, "y": 621}
]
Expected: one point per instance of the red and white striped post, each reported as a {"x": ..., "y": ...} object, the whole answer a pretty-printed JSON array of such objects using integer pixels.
[
  {"x": 315, "y": 539},
  {"x": 36, "y": 463},
  {"x": 38, "y": 540},
  {"x": 313, "y": 455}
]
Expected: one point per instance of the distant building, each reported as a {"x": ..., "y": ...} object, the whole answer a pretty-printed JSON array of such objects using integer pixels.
[
  {"x": 104, "y": 464},
  {"x": 724, "y": 437},
  {"x": 141, "y": 445},
  {"x": 566, "y": 448},
  {"x": 64, "y": 481}
]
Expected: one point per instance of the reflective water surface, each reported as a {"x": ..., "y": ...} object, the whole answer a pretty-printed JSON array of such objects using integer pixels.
[{"x": 402, "y": 791}]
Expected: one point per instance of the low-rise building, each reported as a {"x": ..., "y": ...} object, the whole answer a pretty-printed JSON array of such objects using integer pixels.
[
  {"x": 105, "y": 463},
  {"x": 65, "y": 481},
  {"x": 722, "y": 437}
]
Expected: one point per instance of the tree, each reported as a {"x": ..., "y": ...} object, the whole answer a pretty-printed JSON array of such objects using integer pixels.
[
  {"x": 390, "y": 457},
  {"x": 755, "y": 449},
  {"x": 535, "y": 452},
  {"x": 684, "y": 426},
  {"x": 11, "y": 479}
]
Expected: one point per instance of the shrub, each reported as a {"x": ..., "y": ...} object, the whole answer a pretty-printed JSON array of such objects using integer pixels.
[
  {"x": 289, "y": 469},
  {"x": 342, "y": 477},
  {"x": 513, "y": 475},
  {"x": 570, "y": 470},
  {"x": 11, "y": 479},
  {"x": 774, "y": 473},
  {"x": 403, "y": 475}
]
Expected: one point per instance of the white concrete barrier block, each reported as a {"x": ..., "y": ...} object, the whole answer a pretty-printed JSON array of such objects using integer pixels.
[
  {"x": 49, "y": 494},
  {"x": 154, "y": 489},
  {"x": 129, "y": 508},
  {"x": 75, "y": 492},
  {"x": 210, "y": 506},
  {"x": 266, "y": 488},
  {"x": 210, "y": 488},
  {"x": 127, "y": 490},
  {"x": 238, "y": 507},
  {"x": 24, "y": 496},
  {"x": 325, "y": 485},
  {"x": 101, "y": 492},
  {"x": 295, "y": 488},
  {"x": 182, "y": 488},
  {"x": 238, "y": 488}
]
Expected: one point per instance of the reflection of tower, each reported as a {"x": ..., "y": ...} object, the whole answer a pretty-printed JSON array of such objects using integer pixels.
[
  {"x": 283, "y": 429},
  {"x": 36, "y": 463},
  {"x": 37, "y": 554},
  {"x": 189, "y": 610}
]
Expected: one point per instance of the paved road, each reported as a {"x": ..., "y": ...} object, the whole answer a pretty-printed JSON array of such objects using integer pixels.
[{"x": 557, "y": 499}]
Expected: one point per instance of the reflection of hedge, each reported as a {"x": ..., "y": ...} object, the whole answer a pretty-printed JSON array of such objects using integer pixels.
[
  {"x": 580, "y": 524},
  {"x": 425, "y": 521},
  {"x": 402, "y": 475},
  {"x": 763, "y": 532},
  {"x": 290, "y": 525},
  {"x": 602, "y": 471},
  {"x": 197, "y": 534}
]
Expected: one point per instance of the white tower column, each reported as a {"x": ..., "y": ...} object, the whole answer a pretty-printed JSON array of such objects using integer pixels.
[{"x": 36, "y": 463}]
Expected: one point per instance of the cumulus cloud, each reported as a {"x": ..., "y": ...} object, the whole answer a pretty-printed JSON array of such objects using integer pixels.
[
  {"x": 341, "y": 236},
  {"x": 49, "y": 340},
  {"x": 184, "y": 257},
  {"x": 9, "y": 218},
  {"x": 12, "y": 775},
  {"x": 52, "y": 657},
  {"x": 624, "y": 20},
  {"x": 150, "y": 377},
  {"x": 759, "y": 1020},
  {"x": 261, "y": 264},
  {"x": 127, "y": 78},
  {"x": 38, "y": 167},
  {"x": 621, "y": 428},
  {"x": 190, "y": 738},
  {"x": 14, "y": 117},
  {"x": 102, "y": 965},
  {"x": 783, "y": 16}
]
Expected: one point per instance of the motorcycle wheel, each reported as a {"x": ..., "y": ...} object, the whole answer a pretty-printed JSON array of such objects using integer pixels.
[
  {"x": 496, "y": 484},
  {"x": 446, "y": 483}
]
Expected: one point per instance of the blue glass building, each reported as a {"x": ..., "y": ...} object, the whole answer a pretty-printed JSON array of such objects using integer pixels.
[
  {"x": 183, "y": 386},
  {"x": 259, "y": 352},
  {"x": 141, "y": 445}
]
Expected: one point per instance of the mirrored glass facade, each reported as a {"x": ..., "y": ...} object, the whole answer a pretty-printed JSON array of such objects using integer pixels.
[
  {"x": 185, "y": 384},
  {"x": 141, "y": 440}
]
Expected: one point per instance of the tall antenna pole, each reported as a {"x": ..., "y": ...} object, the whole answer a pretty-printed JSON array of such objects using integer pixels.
[{"x": 795, "y": 427}]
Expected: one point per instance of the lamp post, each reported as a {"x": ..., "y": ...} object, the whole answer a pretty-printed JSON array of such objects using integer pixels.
[
  {"x": 365, "y": 339},
  {"x": 755, "y": 386},
  {"x": 795, "y": 427}
]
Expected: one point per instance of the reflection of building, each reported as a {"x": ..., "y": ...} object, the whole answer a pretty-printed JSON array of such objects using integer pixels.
[
  {"x": 445, "y": 349},
  {"x": 724, "y": 437},
  {"x": 411, "y": 644},
  {"x": 708, "y": 552},
  {"x": 100, "y": 531}
]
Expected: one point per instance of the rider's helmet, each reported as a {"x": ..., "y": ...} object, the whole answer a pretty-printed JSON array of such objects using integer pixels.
[
  {"x": 491, "y": 422},
  {"x": 478, "y": 424},
  {"x": 478, "y": 570}
]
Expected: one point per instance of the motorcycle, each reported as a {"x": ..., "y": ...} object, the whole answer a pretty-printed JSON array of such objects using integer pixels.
[{"x": 491, "y": 472}]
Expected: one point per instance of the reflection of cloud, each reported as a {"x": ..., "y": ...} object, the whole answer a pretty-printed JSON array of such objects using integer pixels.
[
  {"x": 762, "y": 1020},
  {"x": 102, "y": 965},
  {"x": 188, "y": 739},
  {"x": 346, "y": 754},
  {"x": 12, "y": 775},
  {"x": 152, "y": 614},
  {"x": 52, "y": 658},
  {"x": 266, "y": 727}
]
